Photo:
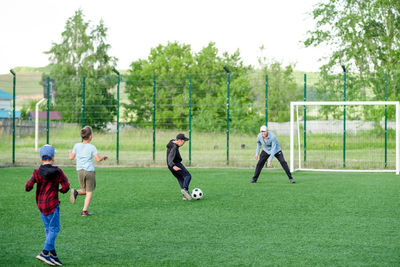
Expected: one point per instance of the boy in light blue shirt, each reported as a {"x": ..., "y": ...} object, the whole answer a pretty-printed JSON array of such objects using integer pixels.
[
  {"x": 84, "y": 153},
  {"x": 270, "y": 149}
]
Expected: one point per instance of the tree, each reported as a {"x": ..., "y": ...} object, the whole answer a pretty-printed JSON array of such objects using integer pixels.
[
  {"x": 365, "y": 37},
  {"x": 172, "y": 64},
  {"x": 364, "y": 34},
  {"x": 282, "y": 88},
  {"x": 210, "y": 85},
  {"x": 83, "y": 52}
]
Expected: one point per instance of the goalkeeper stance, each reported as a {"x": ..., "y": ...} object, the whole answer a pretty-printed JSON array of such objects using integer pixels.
[
  {"x": 176, "y": 167},
  {"x": 271, "y": 149}
]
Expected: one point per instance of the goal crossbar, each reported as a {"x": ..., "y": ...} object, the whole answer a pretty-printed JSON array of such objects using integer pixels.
[{"x": 342, "y": 103}]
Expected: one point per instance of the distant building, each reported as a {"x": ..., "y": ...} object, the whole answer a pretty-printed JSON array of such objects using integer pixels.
[
  {"x": 5, "y": 106},
  {"x": 5, "y": 100},
  {"x": 8, "y": 114},
  {"x": 53, "y": 115}
]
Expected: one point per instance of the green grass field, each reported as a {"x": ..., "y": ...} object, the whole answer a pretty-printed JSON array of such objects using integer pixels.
[{"x": 139, "y": 219}]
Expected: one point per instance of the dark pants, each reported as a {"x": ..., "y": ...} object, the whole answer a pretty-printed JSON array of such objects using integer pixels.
[
  {"x": 183, "y": 176},
  {"x": 263, "y": 158}
]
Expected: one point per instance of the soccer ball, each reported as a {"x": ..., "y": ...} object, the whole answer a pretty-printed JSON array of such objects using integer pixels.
[{"x": 197, "y": 193}]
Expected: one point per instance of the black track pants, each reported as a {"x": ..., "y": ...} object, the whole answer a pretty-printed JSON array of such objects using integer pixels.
[
  {"x": 263, "y": 158},
  {"x": 183, "y": 176}
]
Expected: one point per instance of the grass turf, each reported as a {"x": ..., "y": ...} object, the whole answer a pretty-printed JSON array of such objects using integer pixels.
[{"x": 139, "y": 219}]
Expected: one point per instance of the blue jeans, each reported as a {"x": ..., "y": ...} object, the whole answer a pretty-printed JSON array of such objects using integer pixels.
[
  {"x": 52, "y": 228},
  {"x": 183, "y": 176}
]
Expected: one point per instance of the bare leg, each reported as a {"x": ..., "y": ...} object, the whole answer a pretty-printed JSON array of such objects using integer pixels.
[
  {"x": 88, "y": 198},
  {"x": 81, "y": 192}
]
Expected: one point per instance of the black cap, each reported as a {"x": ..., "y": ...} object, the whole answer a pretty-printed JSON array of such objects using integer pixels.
[{"x": 181, "y": 136}]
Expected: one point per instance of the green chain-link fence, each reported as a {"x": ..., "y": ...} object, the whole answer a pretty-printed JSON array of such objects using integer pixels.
[{"x": 135, "y": 116}]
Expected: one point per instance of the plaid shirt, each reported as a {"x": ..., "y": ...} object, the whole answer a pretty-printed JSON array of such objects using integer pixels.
[{"x": 47, "y": 190}]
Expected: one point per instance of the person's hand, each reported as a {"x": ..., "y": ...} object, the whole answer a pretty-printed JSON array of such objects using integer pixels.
[
  {"x": 71, "y": 155},
  {"x": 269, "y": 164},
  {"x": 176, "y": 168},
  {"x": 256, "y": 157}
]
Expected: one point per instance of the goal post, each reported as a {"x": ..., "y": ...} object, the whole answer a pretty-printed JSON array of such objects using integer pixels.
[{"x": 327, "y": 145}]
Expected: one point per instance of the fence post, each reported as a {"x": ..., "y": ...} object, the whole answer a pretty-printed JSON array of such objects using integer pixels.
[
  {"x": 118, "y": 81},
  {"x": 266, "y": 100},
  {"x": 83, "y": 101},
  {"x": 344, "y": 116},
  {"x": 190, "y": 120},
  {"x": 13, "y": 127},
  {"x": 228, "y": 81},
  {"x": 386, "y": 79},
  {"x": 48, "y": 110},
  {"x": 305, "y": 117},
  {"x": 154, "y": 117}
]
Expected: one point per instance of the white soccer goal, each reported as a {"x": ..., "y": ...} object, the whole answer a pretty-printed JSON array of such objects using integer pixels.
[{"x": 345, "y": 136}]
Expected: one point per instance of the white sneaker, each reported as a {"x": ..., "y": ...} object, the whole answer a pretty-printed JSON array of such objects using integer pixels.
[{"x": 186, "y": 194}]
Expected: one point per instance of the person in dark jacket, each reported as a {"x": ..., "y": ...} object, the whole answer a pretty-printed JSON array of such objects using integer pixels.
[
  {"x": 174, "y": 162},
  {"x": 47, "y": 179}
]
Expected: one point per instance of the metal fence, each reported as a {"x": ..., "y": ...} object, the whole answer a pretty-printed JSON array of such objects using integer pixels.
[{"x": 221, "y": 114}]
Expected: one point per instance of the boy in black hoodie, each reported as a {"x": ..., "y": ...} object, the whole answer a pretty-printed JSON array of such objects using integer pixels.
[
  {"x": 48, "y": 178},
  {"x": 176, "y": 167}
]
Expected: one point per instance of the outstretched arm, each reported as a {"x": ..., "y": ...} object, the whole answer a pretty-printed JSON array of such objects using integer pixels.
[
  {"x": 71, "y": 155},
  {"x": 98, "y": 158}
]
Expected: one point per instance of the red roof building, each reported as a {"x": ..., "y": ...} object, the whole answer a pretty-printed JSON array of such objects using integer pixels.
[{"x": 54, "y": 115}]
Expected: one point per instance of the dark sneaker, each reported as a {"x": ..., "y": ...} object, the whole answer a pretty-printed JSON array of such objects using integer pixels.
[
  {"x": 55, "y": 259},
  {"x": 45, "y": 258},
  {"x": 72, "y": 195},
  {"x": 292, "y": 181},
  {"x": 252, "y": 181},
  {"x": 186, "y": 194},
  {"x": 85, "y": 213}
]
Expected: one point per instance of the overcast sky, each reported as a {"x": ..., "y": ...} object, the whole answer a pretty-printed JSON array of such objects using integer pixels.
[{"x": 28, "y": 28}]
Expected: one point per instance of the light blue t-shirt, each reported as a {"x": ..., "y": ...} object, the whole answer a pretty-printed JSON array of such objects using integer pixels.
[
  {"x": 270, "y": 146},
  {"x": 84, "y": 156}
]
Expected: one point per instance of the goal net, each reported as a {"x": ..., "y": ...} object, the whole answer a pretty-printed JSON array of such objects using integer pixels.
[{"x": 345, "y": 136}]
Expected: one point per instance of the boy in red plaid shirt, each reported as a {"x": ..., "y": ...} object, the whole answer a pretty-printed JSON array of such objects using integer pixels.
[{"x": 48, "y": 177}]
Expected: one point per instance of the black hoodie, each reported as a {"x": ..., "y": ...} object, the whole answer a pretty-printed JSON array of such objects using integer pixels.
[
  {"x": 48, "y": 171},
  {"x": 173, "y": 155}
]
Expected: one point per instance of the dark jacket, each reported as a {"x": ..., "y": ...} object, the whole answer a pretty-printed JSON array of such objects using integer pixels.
[{"x": 173, "y": 155}]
